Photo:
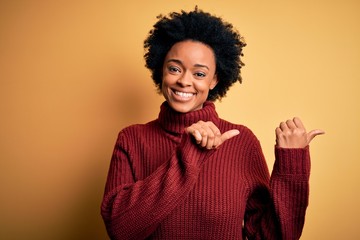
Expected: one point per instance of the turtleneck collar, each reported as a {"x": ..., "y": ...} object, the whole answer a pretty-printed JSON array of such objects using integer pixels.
[{"x": 175, "y": 122}]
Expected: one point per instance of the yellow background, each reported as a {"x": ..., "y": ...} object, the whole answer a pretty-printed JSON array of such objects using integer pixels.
[{"x": 72, "y": 75}]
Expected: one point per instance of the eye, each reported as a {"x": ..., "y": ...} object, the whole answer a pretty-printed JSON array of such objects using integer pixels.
[
  {"x": 174, "y": 69},
  {"x": 200, "y": 74}
]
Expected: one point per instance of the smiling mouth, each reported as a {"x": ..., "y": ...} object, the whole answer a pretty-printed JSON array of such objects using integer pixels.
[{"x": 183, "y": 94}]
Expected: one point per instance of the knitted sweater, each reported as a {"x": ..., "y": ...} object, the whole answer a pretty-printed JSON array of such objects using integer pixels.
[{"x": 162, "y": 185}]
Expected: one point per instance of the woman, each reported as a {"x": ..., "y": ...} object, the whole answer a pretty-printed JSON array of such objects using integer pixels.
[{"x": 190, "y": 174}]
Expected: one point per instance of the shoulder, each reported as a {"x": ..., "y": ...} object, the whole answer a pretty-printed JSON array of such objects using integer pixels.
[
  {"x": 135, "y": 132},
  {"x": 246, "y": 140}
]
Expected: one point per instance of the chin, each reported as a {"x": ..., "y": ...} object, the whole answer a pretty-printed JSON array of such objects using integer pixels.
[{"x": 182, "y": 107}]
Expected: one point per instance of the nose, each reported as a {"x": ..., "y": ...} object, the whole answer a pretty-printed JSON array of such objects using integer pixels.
[{"x": 185, "y": 80}]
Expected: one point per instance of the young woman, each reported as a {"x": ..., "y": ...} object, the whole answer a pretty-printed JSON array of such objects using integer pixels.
[{"x": 191, "y": 175}]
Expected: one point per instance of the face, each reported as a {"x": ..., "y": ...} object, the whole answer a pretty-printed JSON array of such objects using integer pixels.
[{"x": 188, "y": 75}]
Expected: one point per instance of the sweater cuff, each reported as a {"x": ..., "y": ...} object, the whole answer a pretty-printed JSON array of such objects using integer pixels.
[{"x": 292, "y": 161}]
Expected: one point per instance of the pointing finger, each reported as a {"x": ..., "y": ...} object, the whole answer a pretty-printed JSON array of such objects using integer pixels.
[
  {"x": 229, "y": 134},
  {"x": 314, "y": 133}
]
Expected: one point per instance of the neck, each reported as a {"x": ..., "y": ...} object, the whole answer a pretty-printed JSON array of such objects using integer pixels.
[{"x": 176, "y": 122}]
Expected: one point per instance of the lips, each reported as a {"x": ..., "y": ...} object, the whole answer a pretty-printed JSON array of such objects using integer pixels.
[
  {"x": 183, "y": 101},
  {"x": 184, "y": 94}
]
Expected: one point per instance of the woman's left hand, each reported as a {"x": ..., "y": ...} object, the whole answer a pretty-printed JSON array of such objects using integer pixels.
[{"x": 292, "y": 134}]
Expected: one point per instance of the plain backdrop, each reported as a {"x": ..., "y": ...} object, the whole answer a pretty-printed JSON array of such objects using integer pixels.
[{"x": 72, "y": 76}]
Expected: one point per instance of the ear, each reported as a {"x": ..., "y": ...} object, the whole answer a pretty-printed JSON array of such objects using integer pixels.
[{"x": 214, "y": 82}]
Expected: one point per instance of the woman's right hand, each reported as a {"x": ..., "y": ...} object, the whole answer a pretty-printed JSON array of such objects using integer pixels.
[{"x": 208, "y": 135}]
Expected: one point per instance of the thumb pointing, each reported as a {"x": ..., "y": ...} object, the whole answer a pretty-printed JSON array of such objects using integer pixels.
[
  {"x": 229, "y": 134},
  {"x": 314, "y": 133}
]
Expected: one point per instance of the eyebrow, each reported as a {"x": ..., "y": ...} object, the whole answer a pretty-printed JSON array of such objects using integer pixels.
[{"x": 195, "y": 65}]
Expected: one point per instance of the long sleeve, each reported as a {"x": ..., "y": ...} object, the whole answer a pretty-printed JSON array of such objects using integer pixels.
[
  {"x": 276, "y": 207},
  {"x": 290, "y": 186},
  {"x": 133, "y": 209}
]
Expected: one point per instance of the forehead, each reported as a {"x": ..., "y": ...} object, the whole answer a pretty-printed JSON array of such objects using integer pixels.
[{"x": 192, "y": 52}]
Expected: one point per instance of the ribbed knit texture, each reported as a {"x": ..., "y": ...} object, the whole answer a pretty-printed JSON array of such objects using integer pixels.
[{"x": 162, "y": 185}]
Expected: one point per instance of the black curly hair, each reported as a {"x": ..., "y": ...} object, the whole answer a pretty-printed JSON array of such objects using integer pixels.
[{"x": 200, "y": 26}]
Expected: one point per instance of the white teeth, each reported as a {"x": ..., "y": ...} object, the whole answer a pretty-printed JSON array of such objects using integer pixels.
[{"x": 183, "y": 94}]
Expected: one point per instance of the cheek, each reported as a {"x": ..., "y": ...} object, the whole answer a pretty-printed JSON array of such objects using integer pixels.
[
  {"x": 204, "y": 87},
  {"x": 168, "y": 79},
  {"x": 164, "y": 82},
  {"x": 164, "y": 86}
]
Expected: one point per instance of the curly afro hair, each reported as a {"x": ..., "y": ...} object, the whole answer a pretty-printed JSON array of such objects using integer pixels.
[{"x": 200, "y": 26}]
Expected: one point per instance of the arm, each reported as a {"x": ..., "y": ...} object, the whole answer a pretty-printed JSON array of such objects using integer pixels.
[
  {"x": 133, "y": 209},
  {"x": 290, "y": 187},
  {"x": 277, "y": 210}
]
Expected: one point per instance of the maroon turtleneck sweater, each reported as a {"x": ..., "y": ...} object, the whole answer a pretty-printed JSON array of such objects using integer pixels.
[{"x": 162, "y": 185}]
